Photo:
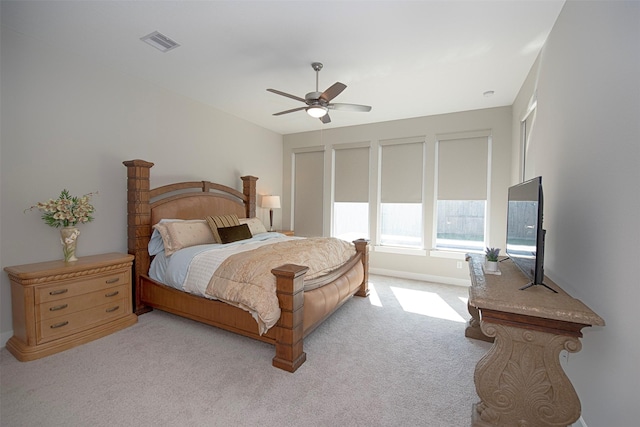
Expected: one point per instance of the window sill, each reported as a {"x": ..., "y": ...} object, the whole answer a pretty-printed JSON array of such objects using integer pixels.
[
  {"x": 399, "y": 250},
  {"x": 443, "y": 253}
]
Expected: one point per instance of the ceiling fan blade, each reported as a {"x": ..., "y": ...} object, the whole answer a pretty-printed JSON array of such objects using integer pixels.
[
  {"x": 333, "y": 91},
  {"x": 277, "y": 92},
  {"x": 349, "y": 107},
  {"x": 325, "y": 119},
  {"x": 289, "y": 111}
]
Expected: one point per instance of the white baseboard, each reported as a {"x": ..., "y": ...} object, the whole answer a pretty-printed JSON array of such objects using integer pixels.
[
  {"x": 423, "y": 277},
  {"x": 4, "y": 337}
]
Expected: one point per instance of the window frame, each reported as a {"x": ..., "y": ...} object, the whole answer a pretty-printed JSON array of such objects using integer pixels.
[
  {"x": 379, "y": 202},
  {"x": 334, "y": 150},
  {"x": 483, "y": 133}
]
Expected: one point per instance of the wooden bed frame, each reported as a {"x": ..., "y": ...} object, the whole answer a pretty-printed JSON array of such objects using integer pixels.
[{"x": 197, "y": 199}]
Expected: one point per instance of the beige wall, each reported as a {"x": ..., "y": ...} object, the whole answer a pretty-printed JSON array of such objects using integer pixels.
[
  {"x": 422, "y": 266},
  {"x": 586, "y": 146},
  {"x": 67, "y": 123}
]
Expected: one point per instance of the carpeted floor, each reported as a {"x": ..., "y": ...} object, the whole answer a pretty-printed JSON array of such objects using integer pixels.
[{"x": 397, "y": 358}]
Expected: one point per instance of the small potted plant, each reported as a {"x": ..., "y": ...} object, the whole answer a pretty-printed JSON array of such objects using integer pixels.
[{"x": 491, "y": 255}]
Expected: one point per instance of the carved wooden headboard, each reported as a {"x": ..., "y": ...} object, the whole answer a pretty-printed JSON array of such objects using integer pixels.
[{"x": 183, "y": 200}]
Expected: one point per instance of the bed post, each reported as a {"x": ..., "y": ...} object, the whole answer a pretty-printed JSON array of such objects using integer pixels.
[
  {"x": 362, "y": 247},
  {"x": 138, "y": 224},
  {"x": 289, "y": 330},
  {"x": 249, "y": 190}
]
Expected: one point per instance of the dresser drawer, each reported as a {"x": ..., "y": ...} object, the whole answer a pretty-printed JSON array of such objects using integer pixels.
[
  {"x": 66, "y": 306},
  {"x": 62, "y": 326},
  {"x": 81, "y": 286}
]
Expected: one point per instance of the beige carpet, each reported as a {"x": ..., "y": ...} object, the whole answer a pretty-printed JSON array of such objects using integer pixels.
[{"x": 398, "y": 358}]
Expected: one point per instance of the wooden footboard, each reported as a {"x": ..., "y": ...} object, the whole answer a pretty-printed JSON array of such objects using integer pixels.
[
  {"x": 321, "y": 300},
  {"x": 322, "y": 296},
  {"x": 295, "y": 322},
  {"x": 289, "y": 330}
]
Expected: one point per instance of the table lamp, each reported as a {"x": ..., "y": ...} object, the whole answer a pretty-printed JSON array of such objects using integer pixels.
[{"x": 271, "y": 202}]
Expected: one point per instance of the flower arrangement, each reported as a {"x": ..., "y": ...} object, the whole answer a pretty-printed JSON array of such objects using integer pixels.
[
  {"x": 66, "y": 210},
  {"x": 492, "y": 254}
]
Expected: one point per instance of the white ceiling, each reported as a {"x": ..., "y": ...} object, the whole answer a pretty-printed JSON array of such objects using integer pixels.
[{"x": 404, "y": 58}]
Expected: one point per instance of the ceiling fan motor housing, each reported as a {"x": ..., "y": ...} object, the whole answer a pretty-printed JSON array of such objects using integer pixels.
[{"x": 313, "y": 98}]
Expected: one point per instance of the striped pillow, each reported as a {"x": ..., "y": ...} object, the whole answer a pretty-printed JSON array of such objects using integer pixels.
[{"x": 221, "y": 221}]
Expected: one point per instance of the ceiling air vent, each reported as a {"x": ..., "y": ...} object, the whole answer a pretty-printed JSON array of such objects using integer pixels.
[{"x": 160, "y": 41}]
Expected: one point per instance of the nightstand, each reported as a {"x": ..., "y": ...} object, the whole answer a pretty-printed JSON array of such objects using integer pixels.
[
  {"x": 57, "y": 305},
  {"x": 285, "y": 232}
]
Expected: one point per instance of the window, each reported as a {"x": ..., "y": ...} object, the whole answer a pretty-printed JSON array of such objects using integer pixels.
[
  {"x": 351, "y": 220},
  {"x": 401, "y": 225},
  {"x": 526, "y": 130},
  {"x": 462, "y": 191},
  {"x": 460, "y": 224},
  {"x": 401, "y": 178},
  {"x": 351, "y": 192},
  {"x": 307, "y": 197}
]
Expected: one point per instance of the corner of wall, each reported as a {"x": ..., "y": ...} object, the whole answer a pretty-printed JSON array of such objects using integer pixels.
[{"x": 4, "y": 337}]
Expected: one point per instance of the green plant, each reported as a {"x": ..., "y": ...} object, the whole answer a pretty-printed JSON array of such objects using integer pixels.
[
  {"x": 66, "y": 210},
  {"x": 492, "y": 254}
]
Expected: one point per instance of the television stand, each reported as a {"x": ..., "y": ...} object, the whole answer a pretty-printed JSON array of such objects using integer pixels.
[
  {"x": 538, "y": 284},
  {"x": 520, "y": 380}
]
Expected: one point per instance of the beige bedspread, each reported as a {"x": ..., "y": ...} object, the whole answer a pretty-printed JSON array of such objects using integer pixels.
[{"x": 245, "y": 279}]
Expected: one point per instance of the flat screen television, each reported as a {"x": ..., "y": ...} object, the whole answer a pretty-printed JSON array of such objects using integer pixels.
[{"x": 525, "y": 235}]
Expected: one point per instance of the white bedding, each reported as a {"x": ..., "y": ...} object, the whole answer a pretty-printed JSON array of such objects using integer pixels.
[
  {"x": 238, "y": 273},
  {"x": 174, "y": 270}
]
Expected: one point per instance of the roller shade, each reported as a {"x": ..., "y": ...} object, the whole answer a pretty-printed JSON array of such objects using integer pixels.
[
  {"x": 351, "y": 175},
  {"x": 401, "y": 173},
  {"x": 462, "y": 168},
  {"x": 308, "y": 186}
]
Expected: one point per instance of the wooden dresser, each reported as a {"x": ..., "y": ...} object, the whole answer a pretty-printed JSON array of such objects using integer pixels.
[{"x": 58, "y": 305}]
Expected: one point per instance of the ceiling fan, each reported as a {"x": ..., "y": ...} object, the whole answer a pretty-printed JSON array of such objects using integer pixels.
[{"x": 318, "y": 103}]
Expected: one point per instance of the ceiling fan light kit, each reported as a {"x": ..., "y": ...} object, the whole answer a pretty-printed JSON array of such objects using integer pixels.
[
  {"x": 319, "y": 103},
  {"x": 317, "y": 111}
]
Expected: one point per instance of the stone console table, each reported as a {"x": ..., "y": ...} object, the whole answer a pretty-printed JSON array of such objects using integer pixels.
[{"x": 520, "y": 381}]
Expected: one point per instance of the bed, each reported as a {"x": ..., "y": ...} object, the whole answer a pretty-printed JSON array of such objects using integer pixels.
[{"x": 303, "y": 304}]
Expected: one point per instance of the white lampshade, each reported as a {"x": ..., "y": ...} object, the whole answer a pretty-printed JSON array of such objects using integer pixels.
[
  {"x": 317, "y": 111},
  {"x": 271, "y": 202}
]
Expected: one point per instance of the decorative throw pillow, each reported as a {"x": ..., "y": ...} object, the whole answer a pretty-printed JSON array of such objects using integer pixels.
[
  {"x": 255, "y": 225},
  {"x": 156, "y": 243},
  {"x": 177, "y": 235},
  {"x": 234, "y": 233},
  {"x": 221, "y": 221}
]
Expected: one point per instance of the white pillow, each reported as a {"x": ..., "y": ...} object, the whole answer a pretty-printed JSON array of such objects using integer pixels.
[
  {"x": 156, "y": 245},
  {"x": 177, "y": 235},
  {"x": 255, "y": 225}
]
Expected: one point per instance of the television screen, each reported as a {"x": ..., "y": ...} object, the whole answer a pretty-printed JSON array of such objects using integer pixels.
[{"x": 525, "y": 235}]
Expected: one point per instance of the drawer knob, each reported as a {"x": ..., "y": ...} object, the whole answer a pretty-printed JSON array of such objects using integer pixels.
[
  {"x": 114, "y": 280},
  {"x": 59, "y": 307},
  {"x": 112, "y": 309},
  {"x": 59, "y": 325},
  {"x": 112, "y": 294},
  {"x": 58, "y": 292}
]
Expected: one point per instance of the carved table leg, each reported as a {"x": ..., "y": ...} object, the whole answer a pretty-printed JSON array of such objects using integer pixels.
[
  {"x": 473, "y": 326},
  {"x": 520, "y": 381}
]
